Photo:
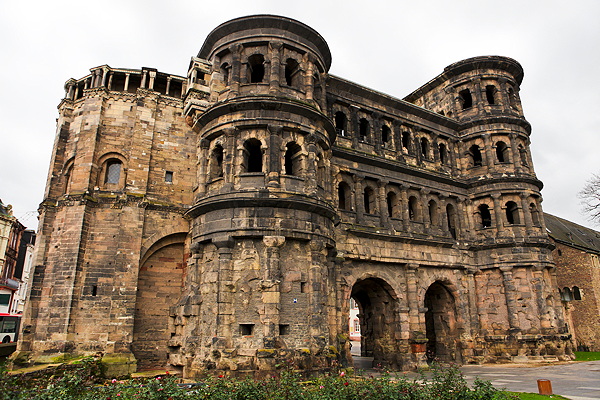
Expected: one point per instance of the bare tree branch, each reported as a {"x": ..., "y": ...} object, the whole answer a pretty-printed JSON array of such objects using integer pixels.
[{"x": 590, "y": 198}]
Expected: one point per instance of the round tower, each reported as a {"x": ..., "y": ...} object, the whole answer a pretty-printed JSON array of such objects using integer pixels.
[{"x": 262, "y": 221}]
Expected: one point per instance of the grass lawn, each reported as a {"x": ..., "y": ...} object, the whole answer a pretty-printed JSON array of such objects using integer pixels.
[
  {"x": 587, "y": 355},
  {"x": 535, "y": 396}
]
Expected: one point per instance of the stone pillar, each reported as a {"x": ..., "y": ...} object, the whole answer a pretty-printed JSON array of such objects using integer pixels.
[
  {"x": 152, "y": 78},
  {"x": 516, "y": 158},
  {"x": 308, "y": 77},
  {"x": 353, "y": 121},
  {"x": 202, "y": 166},
  {"x": 274, "y": 158},
  {"x": 144, "y": 77},
  {"x": 526, "y": 213},
  {"x": 270, "y": 288},
  {"x": 414, "y": 321},
  {"x": 228, "y": 156},
  {"x": 317, "y": 289},
  {"x": 110, "y": 79},
  {"x": 104, "y": 76},
  {"x": 404, "y": 208},
  {"x": 275, "y": 56},
  {"x": 126, "y": 87},
  {"x": 473, "y": 309},
  {"x": 384, "y": 215},
  {"x": 498, "y": 213},
  {"x": 236, "y": 69},
  {"x": 540, "y": 296},
  {"x": 310, "y": 179},
  {"x": 225, "y": 296},
  {"x": 509, "y": 293},
  {"x": 487, "y": 151},
  {"x": 168, "y": 86},
  {"x": 359, "y": 198},
  {"x": 425, "y": 210}
]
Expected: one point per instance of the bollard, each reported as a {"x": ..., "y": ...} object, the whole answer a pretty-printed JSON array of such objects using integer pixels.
[{"x": 544, "y": 386}]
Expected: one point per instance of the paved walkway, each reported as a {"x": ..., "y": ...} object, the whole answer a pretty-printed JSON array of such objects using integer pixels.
[{"x": 575, "y": 380}]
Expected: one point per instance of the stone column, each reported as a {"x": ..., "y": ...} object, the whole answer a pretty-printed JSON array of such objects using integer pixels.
[
  {"x": 270, "y": 288},
  {"x": 473, "y": 309},
  {"x": 353, "y": 121},
  {"x": 487, "y": 151},
  {"x": 516, "y": 159},
  {"x": 540, "y": 292},
  {"x": 126, "y": 87},
  {"x": 274, "y": 158},
  {"x": 404, "y": 208},
  {"x": 310, "y": 179},
  {"x": 526, "y": 213},
  {"x": 202, "y": 166},
  {"x": 359, "y": 198},
  {"x": 414, "y": 320},
  {"x": 509, "y": 292},
  {"x": 228, "y": 157},
  {"x": 384, "y": 215},
  {"x": 225, "y": 296},
  {"x": 104, "y": 76},
  {"x": 152, "y": 78},
  {"x": 317, "y": 292},
  {"x": 144, "y": 77},
  {"x": 236, "y": 67},
  {"x": 308, "y": 77},
  {"x": 168, "y": 86},
  {"x": 275, "y": 56},
  {"x": 498, "y": 213}
]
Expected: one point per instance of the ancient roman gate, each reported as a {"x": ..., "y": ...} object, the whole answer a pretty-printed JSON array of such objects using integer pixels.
[{"x": 223, "y": 221}]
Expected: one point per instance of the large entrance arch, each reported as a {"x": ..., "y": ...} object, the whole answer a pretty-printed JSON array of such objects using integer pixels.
[
  {"x": 379, "y": 322},
  {"x": 159, "y": 287},
  {"x": 440, "y": 323}
]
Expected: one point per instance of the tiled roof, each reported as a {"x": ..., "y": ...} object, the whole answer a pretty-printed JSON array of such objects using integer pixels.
[{"x": 572, "y": 234}]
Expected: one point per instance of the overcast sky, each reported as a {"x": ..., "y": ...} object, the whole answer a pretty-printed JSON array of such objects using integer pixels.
[{"x": 390, "y": 46}]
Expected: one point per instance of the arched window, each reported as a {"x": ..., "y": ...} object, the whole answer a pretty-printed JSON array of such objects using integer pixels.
[
  {"x": 465, "y": 98},
  {"x": 424, "y": 147},
  {"x": 535, "y": 218},
  {"x": 512, "y": 98},
  {"x": 256, "y": 68},
  {"x": 363, "y": 129},
  {"x": 369, "y": 200},
  {"x": 344, "y": 197},
  {"x": 485, "y": 215},
  {"x": 216, "y": 162},
  {"x": 252, "y": 156},
  {"x": 392, "y": 204},
  {"x": 68, "y": 175},
  {"x": 292, "y": 159},
  {"x": 443, "y": 153},
  {"x": 502, "y": 152},
  {"x": 386, "y": 134},
  {"x": 225, "y": 68},
  {"x": 566, "y": 294},
  {"x": 490, "y": 94},
  {"x": 576, "y": 293},
  {"x": 512, "y": 213},
  {"x": 112, "y": 175},
  {"x": 451, "y": 218},
  {"x": 413, "y": 208},
  {"x": 340, "y": 123},
  {"x": 475, "y": 155},
  {"x": 292, "y": 72},
  {"x": 433, "y": 212},
  {"x": 406, "y": 141}
]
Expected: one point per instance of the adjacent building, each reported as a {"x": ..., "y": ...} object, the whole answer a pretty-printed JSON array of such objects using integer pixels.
[{"x": 223, "y": 220}]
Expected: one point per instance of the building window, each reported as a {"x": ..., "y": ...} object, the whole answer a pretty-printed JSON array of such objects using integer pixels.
[
  {"x": 576, "y": 293},
  {"x": 292, "y": 72},
  {"x": 512, "y": 213},
  {"x": 225, "y": 68},
  {"x": 485, "y": 216},
  {"x": 490, "y": 93},
  {"x": 216, "y": 162},
  {"x": 284, "y": 329},
  {"x": 413, "y": 208},
  {"x": 535, "y": 218},
  {"x": 566, "y": 294},
  {"x": 433, "y": 212},
  {"x": 344, "y": 202},
  {"x": 169, "y": 176},
  {"x": 465, "y": 98},
  {"x": 502, "y": 152},
  {"x": 340, "y": 123},
  {"x": 392, "y": 202},
  {"x": 292, "y": 159},
  {"x": 246, "y": 329},
  {"x": 113, "y": 171},
  {"x": 256, "y": 68},
  {"x": 475, "y": 155},
  {"x": 443, "y": 153},
  {"x": 406, "y": 141},
  {"x": 451, "y": 218},
  {"x": 356, "y": 325},
  {"x": 363, "y": 129},
  {"x": 252, "y": 156},
  {"x": 386, "y": 134},
  {"x": 424, "y": 148},
  {"x": 369, "y": 200}
]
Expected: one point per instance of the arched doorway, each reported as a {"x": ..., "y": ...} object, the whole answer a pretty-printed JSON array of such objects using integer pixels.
[
  {"x": 378, "y": 315},
  {"x": 440, "y": 323},
  {"x": 159, "y": 287}
]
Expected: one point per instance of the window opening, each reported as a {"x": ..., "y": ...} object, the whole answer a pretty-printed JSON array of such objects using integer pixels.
[
  {"x": 256, "y": 68},
  {"x": 302, "y": 287},
  {"x": 490, "y": 92},
  {"x": 502, "y": 152},
  {"x": 284, "y": 329},
  {"x": 485, "y": 215},
  {"x": 476, "y": 156},
  {"x": 443, "y": 153},
  {"x": 523, "y": 155},
  {"x": 433, "y": 212},
  {"x": 424, "y": 147},
  {"x": 369, "y": 200},
  {"x": 385, "y": 134},
  {"x": 566, "y": 294},
  {"x": 451, "y": 217},
  {"x": 169, "y": 176},
  {"x": 217, "y": 162},
  {"x": 292, "y": 72},
  {"x": 512, "y": 98},
  {"x": 391, "y": 200},
  {"x": 344, "y": 196},
  {"x": 94, "y": 290},
  {"x": 113, "y": 171},
  {"x": 412, "y": 208},
  {"x": 576, "y": 293},
  {"x": 534, "y": 214},
  {"x": 340, "y": 123},
  {"x": 253, "y": 154},
  {"x": 292, "y": 159},
  {"x": 246, "y": 329},
  {"x": 406, "y": 141},
  {"x": 225, "y": 71},
  {"x": 363, "y": 129},
  {"x": 466, "y": 99},
  {"x": 512, "y": 213}
]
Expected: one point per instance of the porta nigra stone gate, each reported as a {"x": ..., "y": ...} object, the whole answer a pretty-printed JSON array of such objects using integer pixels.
[{"x": 223, "y": 220}]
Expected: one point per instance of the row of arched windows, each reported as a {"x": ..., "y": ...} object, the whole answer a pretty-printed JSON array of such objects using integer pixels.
[
  {"x": 502, "y": 154},
  {"x": 512, "y": 215},
  {"x": 570, "y": 294},
  {"x": 256, "y": 72}
]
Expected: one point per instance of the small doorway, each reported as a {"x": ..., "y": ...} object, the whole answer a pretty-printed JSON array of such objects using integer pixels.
[{"x": 440, "y": 324}]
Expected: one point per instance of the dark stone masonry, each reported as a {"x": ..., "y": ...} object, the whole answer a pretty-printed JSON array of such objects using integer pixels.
[{"x": 223, "y": 220}]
